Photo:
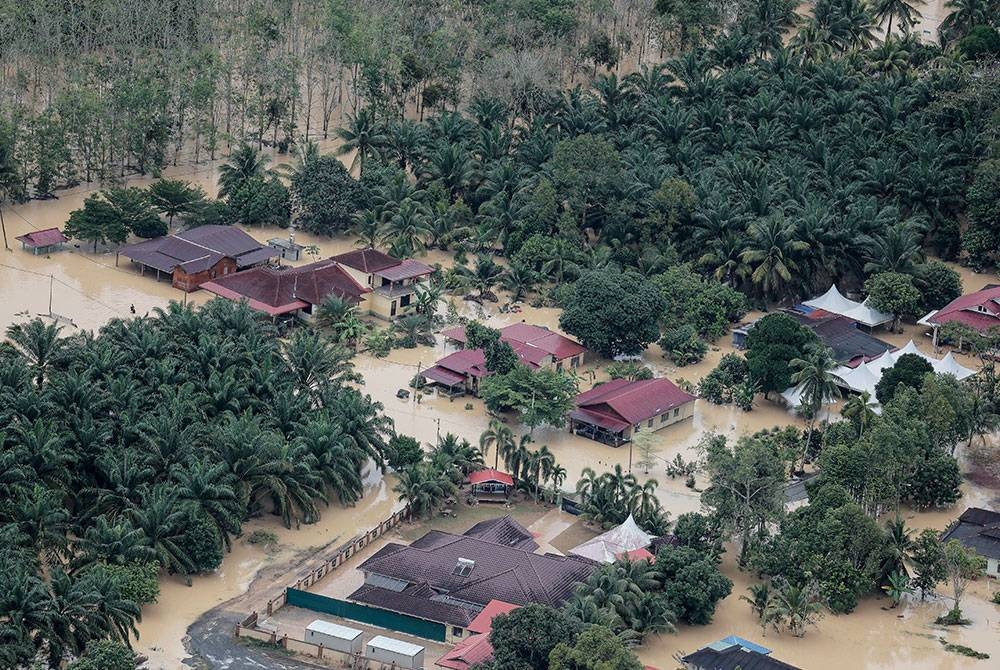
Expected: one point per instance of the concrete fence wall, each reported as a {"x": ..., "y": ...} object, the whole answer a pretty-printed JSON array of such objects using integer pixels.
[{"x": 338, "y": 557}]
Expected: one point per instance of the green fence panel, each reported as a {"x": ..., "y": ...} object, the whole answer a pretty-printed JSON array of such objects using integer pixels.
[{"x": 401, "y": 623}]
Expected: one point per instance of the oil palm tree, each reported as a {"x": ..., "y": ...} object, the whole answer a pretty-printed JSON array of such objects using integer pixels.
[
  {"x": 368, "y": 228},
  {"x": 364, "y": 135},
  {"x": 482, "y": 277},
  {"x": 423, "y": 489},
  {"x": 42, "y": 520},
  {"x": 771, "y": 251},
  {"x": 363, "y": 421},
  {"x": 895, "y": 250},
  {"x": 794, "y": 608},
  {"x": 116, "y": 543},
  {"x": 760, "y": 600},
  {"x": 38, "y": 341},
  {"x": 315, "y": 363},
  {"x": 207, "y": 489},
  {"x": 162, "y": 520},
  {"x": 813, "y": 375},
  {"x": 244, "y": 164}
]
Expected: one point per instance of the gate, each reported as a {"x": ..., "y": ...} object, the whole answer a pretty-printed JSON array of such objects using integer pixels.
[{"x": 402, "y": 623}]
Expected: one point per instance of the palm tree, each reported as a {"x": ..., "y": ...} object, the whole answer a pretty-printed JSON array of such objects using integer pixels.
[
  {"x": 482, "y": 277},
  {"x": 407, "y": 230},
  {"x": 519, "y": 281},
  {"x": 335, "y": 458},
  {"x": 412, "y": 330},
  {"x": 116, "y": 543},
  {"x": 368, "y": 227},
  {"x": 426, "y": 297},
  {"x": 895, "y": 250},
  {"x": 306, "y": 154},
  {"x": 207, "y": 488},
  {"x": 794, "y": 607},
  {"x": 813, "y": 376},
  {"x": 363, "y": 421},
  {"x": 965, "y": 15},
  {"x": 458, "y": 453},
  {"x": 771, "y": 250},
  {"x": 423, "y": 489},
  {"x": 315, "y": 363},
  {"x": 38, "y": 341},
  {"x": 760, "y": 601},
  {"x": 43, "y": 521},
  {"x": 903, "y": 12},
  {"x": 899, "y": 542},
  {"x": 162, "y": 521},
  {"x": 364, "y": 135},
  {"x": 859, "y": 410},
  {"x": 500, "y": 437},
  {"x": 244, "y": 164}
]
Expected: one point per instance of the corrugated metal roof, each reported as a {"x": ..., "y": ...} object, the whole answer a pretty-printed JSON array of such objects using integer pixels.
[
  {"x": 366, "y": 260},
  {"x": 406, "y": 269},
  {"x": 636, "y": 401},
  {"x": 334, "y": 630},
  {"x": 43, "y": 238},
  {"x": 394, "y": 645}
]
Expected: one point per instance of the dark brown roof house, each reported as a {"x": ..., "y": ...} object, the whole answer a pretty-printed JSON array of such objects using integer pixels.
[{"x": 450, "y": 578}]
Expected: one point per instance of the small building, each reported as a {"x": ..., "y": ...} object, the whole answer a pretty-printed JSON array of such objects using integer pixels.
[
  {"x": 291, "y": 291},
  {"x": 734, "y": 653},
  {"x": 397, "y": 653},
  {"x": 393, "y": 282},
  {"x": 979, "y": 529},
  {"x": 490, "y": 485},
  {"x": 979, "y": 311},
  {"x": 43, "y": 241},
  {"x": 614, "y": 411},
  {"x": 336, "y": 637},
  {"x": 286, "y": 248},
  {"x": 546, "y": 348},
  {"x": 198, "y": 255}
]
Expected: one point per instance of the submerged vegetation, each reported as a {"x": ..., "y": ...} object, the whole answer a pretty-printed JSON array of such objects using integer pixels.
[{"x": 146, "y": 446}]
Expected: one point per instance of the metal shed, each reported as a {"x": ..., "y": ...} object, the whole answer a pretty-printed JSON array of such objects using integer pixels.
[{"x": 334, "y": 636}]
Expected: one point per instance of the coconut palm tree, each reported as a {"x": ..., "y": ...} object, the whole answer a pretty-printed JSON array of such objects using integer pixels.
[
  {"x": 244, "y": 164},
  {"x": 813, "y": 376},
  {"x": 500, "y": 438},
  {"x": 965, "y": 15},
  {"x": 364, "y": 135},
  {"x": 482, "y": 277},
  {"x": 905, "y": 14},
  {"x": 859, "y": 410},
  {"x": 899, "y": 542},
  {"x": 406, "y": 231},
  {"x": 760, "y": 601}
]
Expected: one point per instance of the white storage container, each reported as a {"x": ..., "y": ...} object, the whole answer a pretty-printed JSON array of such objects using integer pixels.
[
  {"x": 390, "y": 650},
  {"x": 335, "y": 636}
]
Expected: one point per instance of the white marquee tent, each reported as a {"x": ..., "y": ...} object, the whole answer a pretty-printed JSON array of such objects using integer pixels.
[
  {"x": 866, "y": 376},
  {"x": 834, "y": 302},
  {"x": 620, "y": 539}
]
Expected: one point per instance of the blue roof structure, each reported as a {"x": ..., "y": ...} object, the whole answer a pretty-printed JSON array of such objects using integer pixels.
[{"x": 736, "y": 641}]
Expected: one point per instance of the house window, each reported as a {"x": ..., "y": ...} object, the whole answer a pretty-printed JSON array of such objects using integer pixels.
[
  {"x": 574, "y": 362},
  {"x": 663, "y": 417},
  {"x": 212, "y": 273},
  {"x": 677, "y": 411},
  {"x": 649, "y": 423},
  {"x": 456, "y": 631},
  {"x": 225, "y": 269},
  {"x": 559, "y": 366},
  {"x": 404, "y": 301},
  {"x": 636, "y": 427}
]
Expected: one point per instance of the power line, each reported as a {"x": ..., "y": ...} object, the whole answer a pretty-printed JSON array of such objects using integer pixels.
[{"x": 59, "y": 281}]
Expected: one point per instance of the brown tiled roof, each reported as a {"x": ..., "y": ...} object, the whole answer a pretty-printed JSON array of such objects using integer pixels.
[
  {"x": 310, "y": 284},
  {"x": 503, "y": 530},
  {"x": 501, "y": 572},
  {"x": 524, "y": 336},
  {"x": 405, "y": 269},
  {"x": 416, "y": 603},
  {"x": 366, "y": 260}
]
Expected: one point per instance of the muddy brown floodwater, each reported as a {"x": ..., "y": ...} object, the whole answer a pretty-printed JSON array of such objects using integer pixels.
[{"x": 90, "y": 290}]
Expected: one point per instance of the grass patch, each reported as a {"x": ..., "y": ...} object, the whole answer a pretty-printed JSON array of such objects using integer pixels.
[
  {"x": 952, "y": 618},
  {"x": 265, "y": 538},
  {"x": 964, "y": 651}
]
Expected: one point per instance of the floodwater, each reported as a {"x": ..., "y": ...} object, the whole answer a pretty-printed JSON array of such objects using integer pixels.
[{"x": 90, "y": 290}]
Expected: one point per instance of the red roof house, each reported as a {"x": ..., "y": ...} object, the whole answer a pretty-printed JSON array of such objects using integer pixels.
[
  {"x": 534, "y": 343},
  {"x": 461, "y": 371},
  {"x": 476, "y": 649},
  {"x": 490, "y": 485},
  {"x": 979, "y": 311},
  {"x": 614, "y": 411},
  {"x": 42, "y": 241},
  {"x": 277, "y": 292}
]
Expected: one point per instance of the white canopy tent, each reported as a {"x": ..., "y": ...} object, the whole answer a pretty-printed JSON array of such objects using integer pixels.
[
  {"x": 865, "y": 377},
  {"x": 620, "y": 539},
  {"x": 833, "y": 301}
]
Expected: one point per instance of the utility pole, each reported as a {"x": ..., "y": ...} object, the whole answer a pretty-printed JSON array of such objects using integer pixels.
[
  {"x": 51, "y": 282},
  {"x": 3, "y": 226}
]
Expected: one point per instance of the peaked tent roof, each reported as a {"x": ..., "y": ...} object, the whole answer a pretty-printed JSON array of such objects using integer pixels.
[
  {"x": 834, "y": 302},
  {"x": 619, "y": 540}
]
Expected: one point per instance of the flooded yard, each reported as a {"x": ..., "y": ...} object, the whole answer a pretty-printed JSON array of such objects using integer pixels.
[{"x": 89, "y": 289}]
